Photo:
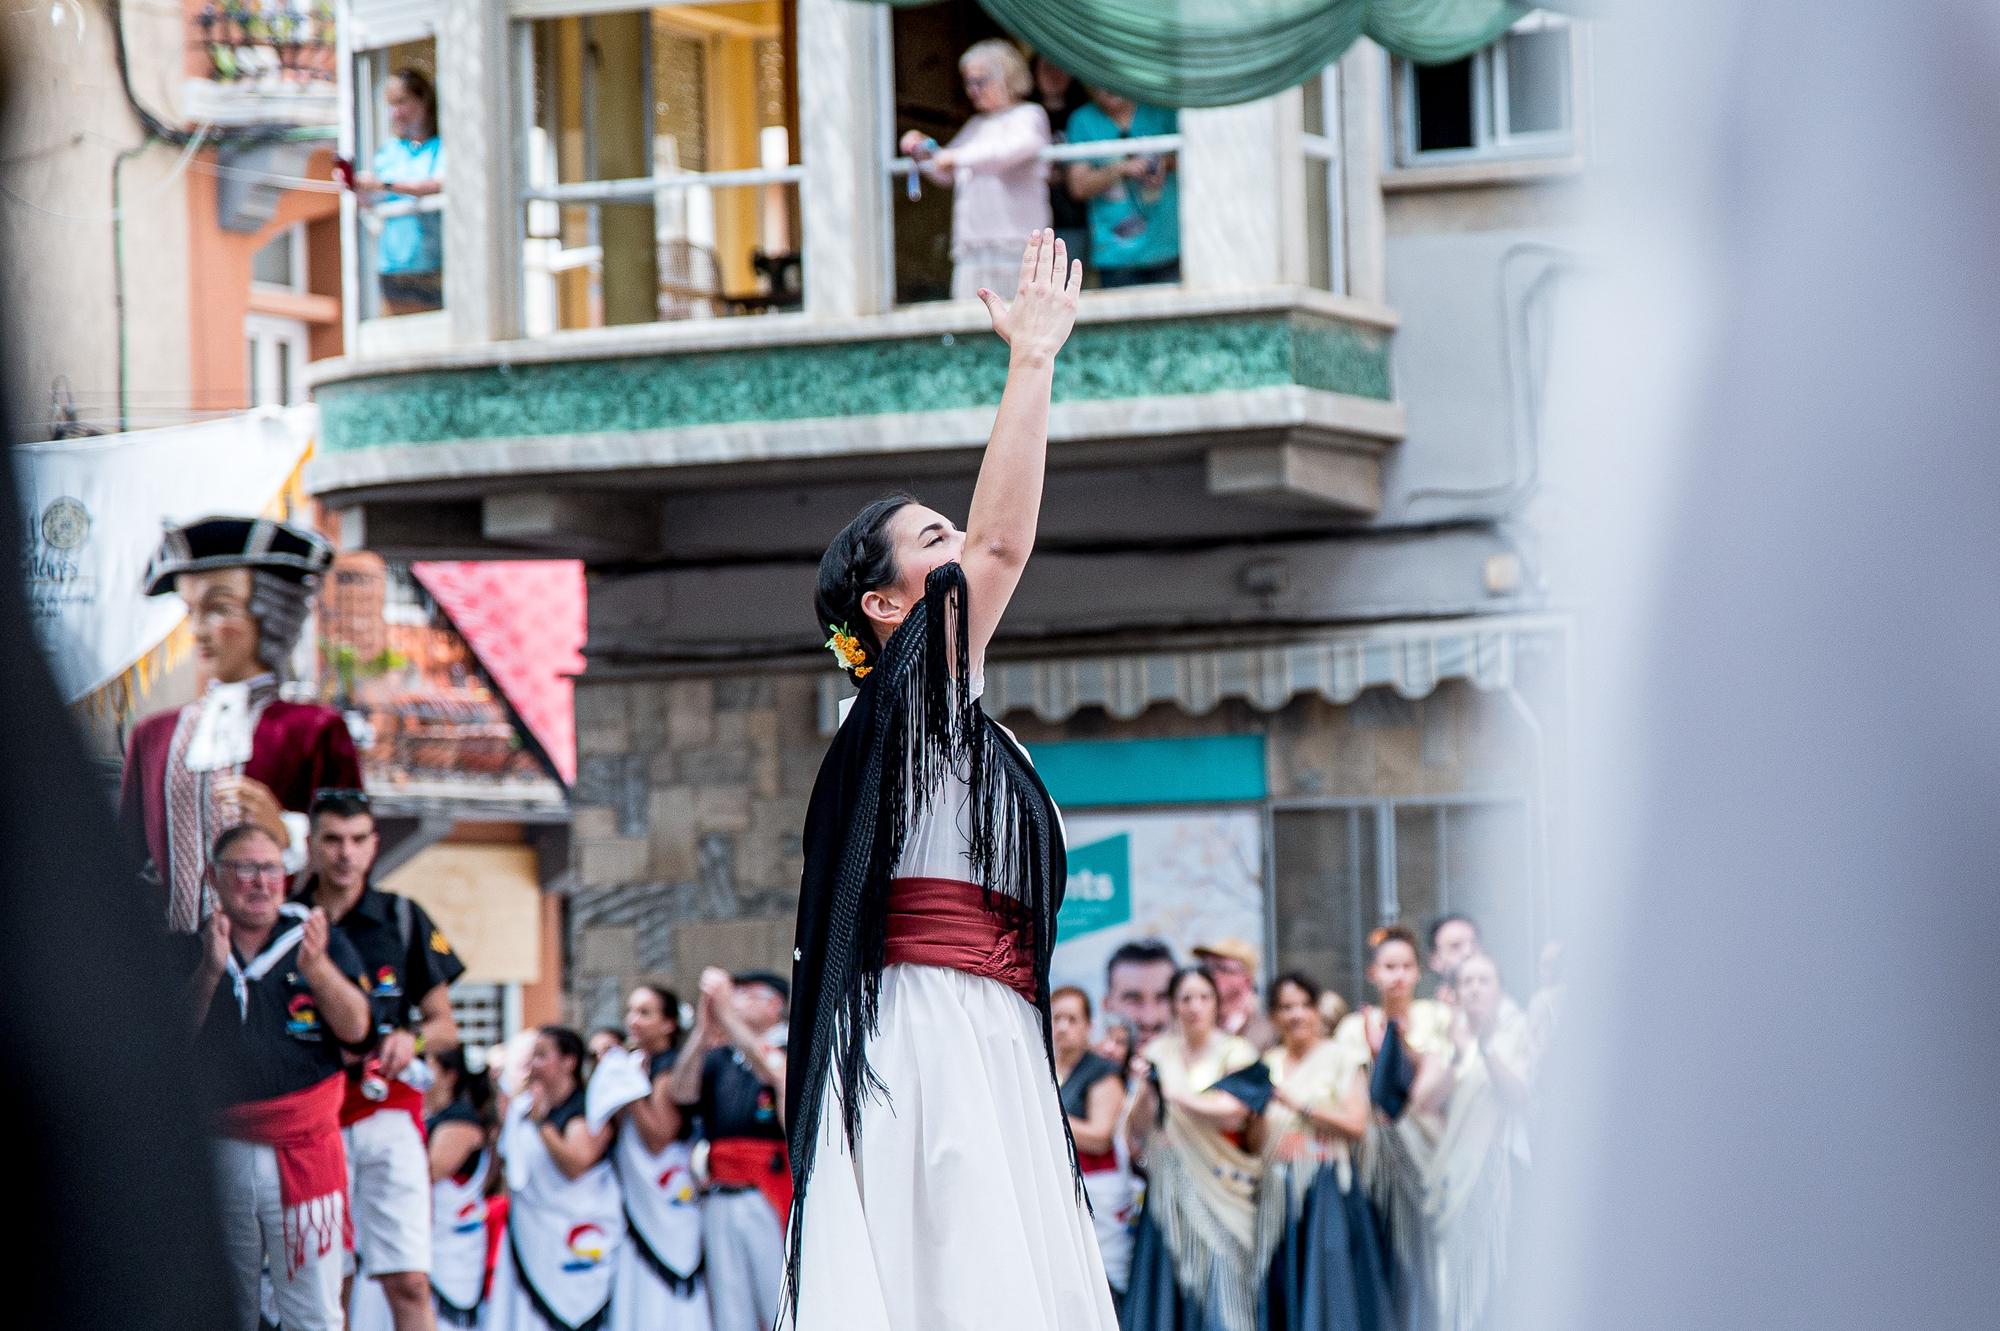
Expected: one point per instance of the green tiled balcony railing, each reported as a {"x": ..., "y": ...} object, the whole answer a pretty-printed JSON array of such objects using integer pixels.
[{"x": 673, "y": 389}]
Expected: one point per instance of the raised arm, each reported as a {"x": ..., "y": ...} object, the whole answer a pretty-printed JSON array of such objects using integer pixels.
[{"x": 1007, "y": 500}]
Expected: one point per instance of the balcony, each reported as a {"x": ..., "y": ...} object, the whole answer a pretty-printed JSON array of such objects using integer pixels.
[
  {"x": 580, "y": 391},
  {"x": 262, "y": 64}
]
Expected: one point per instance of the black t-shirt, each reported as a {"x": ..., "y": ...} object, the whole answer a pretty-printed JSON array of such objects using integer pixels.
[
  {"x": 560, "y": 1117},
  {"x": 406, "y": 955},
  {"x": 736, "y": 1102},
  {"x": 459, "y": 1111},
  {"x": 1091, "y": 1069},
  {"x": 276, "y": 1041}
]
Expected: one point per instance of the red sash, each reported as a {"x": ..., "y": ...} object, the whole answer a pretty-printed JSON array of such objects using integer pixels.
[
  {"x": 754, "y": 1162},
  {"x": 941, "y": 922},
  {"x": 355, "y": 1106},
  {"x": 1096, "y": 1162},
  {"x": 303, "y": 1128}
]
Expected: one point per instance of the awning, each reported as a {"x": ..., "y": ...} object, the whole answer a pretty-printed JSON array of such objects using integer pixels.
[
  {"x": 1338, "y": 665},
  {"x": 524, "y": 620}
]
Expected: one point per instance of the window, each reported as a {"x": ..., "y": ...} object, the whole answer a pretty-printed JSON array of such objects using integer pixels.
[
  {"x": 928, "y": 96},
  {"x": 1515, "y": 98},
  {"x": 1342, "y": 868},
  {"x": 280, "y": 262},
  {"x": 399, "y": 234},
  {"x": 1326, "y": 244},
  {"x": 662, "y": 166},
  {"x": 481, "y": 1013},
  {"x": 275, "y": 360}
]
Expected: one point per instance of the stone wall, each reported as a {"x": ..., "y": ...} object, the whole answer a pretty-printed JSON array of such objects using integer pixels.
[{"x": 689, "y": 803}]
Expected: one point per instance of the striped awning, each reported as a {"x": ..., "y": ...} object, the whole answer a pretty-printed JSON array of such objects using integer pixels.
[{"x": 1338, "y": 665}]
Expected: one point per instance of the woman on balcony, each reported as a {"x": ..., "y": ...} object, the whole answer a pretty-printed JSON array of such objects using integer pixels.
[
  {"x": 994, "y": 168},
  {"x": 936, "y": 1182},
  {"x": 409, "y": 251}
]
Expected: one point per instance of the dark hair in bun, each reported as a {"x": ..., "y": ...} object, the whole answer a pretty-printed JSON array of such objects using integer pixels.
[{"x": 860, "y": 559}]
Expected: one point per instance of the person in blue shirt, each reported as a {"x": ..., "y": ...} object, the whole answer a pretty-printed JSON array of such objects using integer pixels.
[
  {"x": 409, "y": 252},
  {"x": 1135, "y": 214}
]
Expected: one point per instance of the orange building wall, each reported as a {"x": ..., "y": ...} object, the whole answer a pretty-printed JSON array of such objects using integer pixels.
[{"x": 219, "y": 284}]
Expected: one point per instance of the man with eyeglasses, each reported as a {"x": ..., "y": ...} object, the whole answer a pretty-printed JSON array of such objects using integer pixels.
[
  {"x": 274, "y": 996},
  {"x": 409, "y": 966}
]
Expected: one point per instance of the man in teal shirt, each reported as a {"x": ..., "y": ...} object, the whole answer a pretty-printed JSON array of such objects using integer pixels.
[{"x": 1135, "y": 202}]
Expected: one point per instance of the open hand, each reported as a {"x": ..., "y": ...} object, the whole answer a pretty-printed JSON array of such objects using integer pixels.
[
  {"x": 312, "y": 947},
  {"x": 1037, "y": 321},
  {"x": 215, "y": 942}
]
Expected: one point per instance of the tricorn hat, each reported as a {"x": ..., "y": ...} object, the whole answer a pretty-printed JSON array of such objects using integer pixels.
[{"x": 293, "y": 553}]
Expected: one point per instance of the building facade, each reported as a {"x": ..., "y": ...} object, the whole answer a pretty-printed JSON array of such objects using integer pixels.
[{"x": 1285, "y": 651}]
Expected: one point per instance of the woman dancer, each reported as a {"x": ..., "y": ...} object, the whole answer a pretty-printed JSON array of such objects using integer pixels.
[
  {"x": 1470, "y": 1184},
  {"x": 565, "y": 1221},
  {"x": 658, "y": 1286},
  {"x": 935, "y": 1179},
  {"x": 1406, "y": 1043},
  {"x": 1316, "y": 1239},
  {"x": 459, "y": 1127},
  {"x": 1193, "y": 1268},
  {"x": 1093, "y": 1098}
]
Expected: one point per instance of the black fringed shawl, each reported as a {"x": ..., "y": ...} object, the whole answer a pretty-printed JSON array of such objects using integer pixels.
[{"x": 911, "y": 713}]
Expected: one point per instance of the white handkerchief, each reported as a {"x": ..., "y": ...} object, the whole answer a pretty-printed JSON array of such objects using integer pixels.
[{"x": 619, "y": 1080}]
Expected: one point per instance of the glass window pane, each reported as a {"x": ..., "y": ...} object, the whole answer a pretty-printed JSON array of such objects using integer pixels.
[
  {"x": 1320, "y": 237},
  {"x": 1324, "y": 894},
  {"x": 654, "y": 95},
  {"x": 272, "y": 263},
  {"x": 1421, "y": 861},
  {"x": 1538, "y": 81},
  {"x": 401, "y": 236},
  {"x": 1315, "y": 113},
  {"x": 1444, "y": 114}
]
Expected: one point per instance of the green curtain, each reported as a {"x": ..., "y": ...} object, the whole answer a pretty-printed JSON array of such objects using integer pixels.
[{"x": 1219, "y": 52}]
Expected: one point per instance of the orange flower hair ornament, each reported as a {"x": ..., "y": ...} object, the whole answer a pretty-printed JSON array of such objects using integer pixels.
[{"x": 847, "y": 650}]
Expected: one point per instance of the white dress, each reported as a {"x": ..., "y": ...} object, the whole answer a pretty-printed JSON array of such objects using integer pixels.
[{"x": 961, "y": 1212}]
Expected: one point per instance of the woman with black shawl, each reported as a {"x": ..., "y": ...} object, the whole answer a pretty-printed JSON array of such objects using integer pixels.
[{"x": 935, "y": 1183}]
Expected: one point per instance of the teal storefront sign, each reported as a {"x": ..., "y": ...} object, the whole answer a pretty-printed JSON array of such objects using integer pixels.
[
  {"x": 1209, "y": 769},
  {"x": 1099, "y": 894}
]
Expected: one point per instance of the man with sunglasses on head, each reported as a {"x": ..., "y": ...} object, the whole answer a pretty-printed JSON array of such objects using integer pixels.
[
  {"x": 409, "y": 966},
  {"x": 274, "y": 997}
]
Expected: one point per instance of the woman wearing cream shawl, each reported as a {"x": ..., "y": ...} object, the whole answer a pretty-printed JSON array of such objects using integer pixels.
[
  {"x": 1469, "y": 1182},
  {"x": 1316, "y": 1241},
  {"x": 1194, "y": 1264}
]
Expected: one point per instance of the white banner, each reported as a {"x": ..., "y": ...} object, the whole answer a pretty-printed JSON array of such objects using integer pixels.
[
  {"x": 1182, "y": 876},
  {"x": 92, "y": 514}
]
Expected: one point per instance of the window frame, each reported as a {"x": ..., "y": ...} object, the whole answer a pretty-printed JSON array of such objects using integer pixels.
[
  {"x": 280, "y": 344},
  {"x": 298, "y": 282},
  {"x": 1493, "y": 139},
  {"x": 1323, "y": 152},
  {"x": 1384, "y": 904},
  {"x": 531, "y": 198},
  {"x": 893, "y": 169},
  {"x": 368, "y": 70}
]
